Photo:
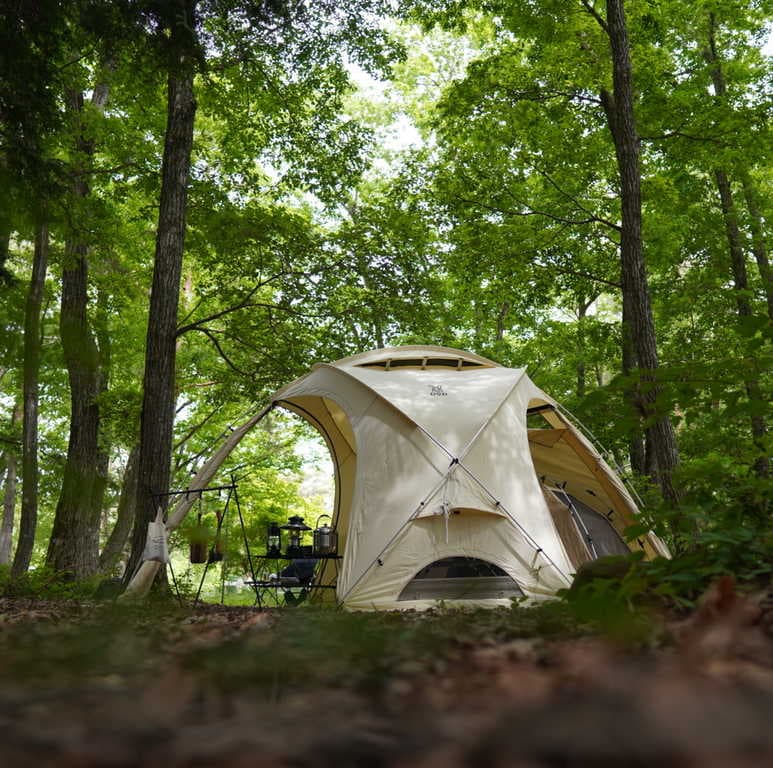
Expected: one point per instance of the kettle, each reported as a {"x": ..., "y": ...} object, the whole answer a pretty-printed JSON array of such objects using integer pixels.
[{"x": 325, "y": 539}]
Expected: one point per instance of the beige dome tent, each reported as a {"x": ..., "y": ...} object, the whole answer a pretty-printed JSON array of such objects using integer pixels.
[{"x": 456, "y": 479}]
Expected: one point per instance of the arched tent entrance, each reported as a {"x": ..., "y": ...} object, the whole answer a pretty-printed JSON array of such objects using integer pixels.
[{"x": 436, "y": 462}]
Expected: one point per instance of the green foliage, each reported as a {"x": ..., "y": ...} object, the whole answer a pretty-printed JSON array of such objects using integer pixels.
[
  {"x": 313, "y": 233},
  {"x": 728, "y": 538},
  {"x": 42, "y": 583}
]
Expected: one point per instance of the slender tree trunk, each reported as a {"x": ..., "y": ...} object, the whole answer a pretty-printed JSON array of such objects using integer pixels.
[
  {"x": 632, "y": 400},
  {"x": 157, "y": 418},
  {"x": 759, "y": 247},
  {"x": 9, "y": 496},
  {"x": 738, "y": 267},
  {"x": 9, "y": 508},
  {"x": 5, "y": 241},
  {"x": 637, "y": 307},
  {"x": 102, "y": 335},
  {"x": 74, "y": 544},
  {"x": 582, "y": 312},
  {"x": 744, "y": 309},
  {"x": 119, "y": 536},
  {"x": 28, "y": 519}
]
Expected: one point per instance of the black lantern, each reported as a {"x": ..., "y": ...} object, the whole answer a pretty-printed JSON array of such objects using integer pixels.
[
  {"x": 296, "y": 527},
  {"x": 274, "y": 540}
]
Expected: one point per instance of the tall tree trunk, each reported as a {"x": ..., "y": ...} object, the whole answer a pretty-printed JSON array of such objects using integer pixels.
[
  {"x": 738, "y": 266},
  {"x": 759, "y": 247},
  {"x": 116, "y": 542},
  {"x": 74, "y": 544},
  {"x": 158, "y": 402},
  {"x": 631, "y": 399},
  {"x": 744, "y": 309},
  {"x": 9, "y": 496},
  {"x": 28, "y": 519},
  {"x": 102, "y": 335},
  {"x": 637, "y": 307}
]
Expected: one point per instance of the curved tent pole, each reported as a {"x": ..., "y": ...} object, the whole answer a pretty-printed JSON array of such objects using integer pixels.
[
  {"x": 212, "y": 465},
  {"x": 140, "y": 584},
  {"x": 603, "y": 453}
]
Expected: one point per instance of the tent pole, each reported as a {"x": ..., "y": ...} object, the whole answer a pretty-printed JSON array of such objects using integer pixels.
[
  {"x": 210, "y": 468},
  {"x": 142, "y": 580}
]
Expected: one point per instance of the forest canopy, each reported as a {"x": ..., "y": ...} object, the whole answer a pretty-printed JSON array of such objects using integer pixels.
[{"x": 201, "y": 198}]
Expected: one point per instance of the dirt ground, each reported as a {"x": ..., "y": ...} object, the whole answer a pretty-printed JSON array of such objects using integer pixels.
[{"x": 86, "y": 685}]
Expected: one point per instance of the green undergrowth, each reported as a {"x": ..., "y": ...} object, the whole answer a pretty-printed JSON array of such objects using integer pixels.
[
  {"x": 43, "y": 583},
  {"x": 626, "y": 597}
]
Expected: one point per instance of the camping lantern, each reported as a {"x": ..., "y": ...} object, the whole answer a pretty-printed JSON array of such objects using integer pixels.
[
  {"x": 274, "y": 540},
  {"x": 296, "y": 527},
  {"x": 325, "y": 538}
]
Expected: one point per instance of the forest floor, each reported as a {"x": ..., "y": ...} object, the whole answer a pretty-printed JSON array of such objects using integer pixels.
[{"x": 86, "y": 684}]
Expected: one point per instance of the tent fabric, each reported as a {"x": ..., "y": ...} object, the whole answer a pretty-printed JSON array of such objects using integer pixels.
[{"x": 434, "y": 460}]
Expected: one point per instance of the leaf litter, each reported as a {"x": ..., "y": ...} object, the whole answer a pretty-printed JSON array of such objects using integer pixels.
[{"x": 85, "y": 684}]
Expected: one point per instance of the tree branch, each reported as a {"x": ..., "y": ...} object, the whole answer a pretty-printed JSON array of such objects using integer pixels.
[
  {"x": 578, "y": 273},
  {"x": 213, "y": 339},
  {"x": 194, "y": 429},
  {"x": 196, "y": 326},
  {"x": 596, "y": 15}
]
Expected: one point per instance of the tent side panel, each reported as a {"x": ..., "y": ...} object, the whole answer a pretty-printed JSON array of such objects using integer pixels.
[
  {"x": 501, "y": 460},
  {"x": 485, "y": 537},
  {"x": 576, "y": 548},
  {"x": 397, "y": 468}
]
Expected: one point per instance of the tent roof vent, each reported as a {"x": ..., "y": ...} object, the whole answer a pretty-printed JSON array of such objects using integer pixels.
[{"x": 422, "y": 362}]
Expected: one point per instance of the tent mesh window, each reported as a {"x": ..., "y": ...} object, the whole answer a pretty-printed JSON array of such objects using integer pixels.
[
  {"x": 606, "y": 540},
  {"x": 431, "y": 362},
  {"x": 460, "y": 578}
]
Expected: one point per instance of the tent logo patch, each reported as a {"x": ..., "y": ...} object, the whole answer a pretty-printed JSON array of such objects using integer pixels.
[{"x": 436, "y": 390}]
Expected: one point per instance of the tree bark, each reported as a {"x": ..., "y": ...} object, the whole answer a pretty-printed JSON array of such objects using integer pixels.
[
  {"x": 9, "y": 496},
  {"x": 9, "y": 508},
  {"x": 636, "y": 449},
  {"x": 28, "y": 519},
  {"x": 119, "y": 536},
  {"x": 157, "y": 417},
  {"x": 74, "y": 545},
  {"x": 637, "y": 308},
  {"x": 759, "y": 247}
]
